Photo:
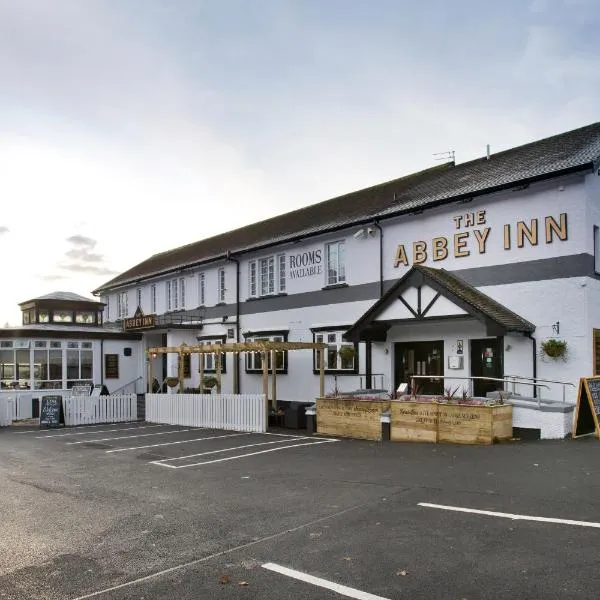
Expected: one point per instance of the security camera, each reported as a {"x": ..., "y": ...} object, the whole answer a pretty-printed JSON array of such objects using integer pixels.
[
  {"x": 370, "y": 231},
  {"x": 360, "y": 233}
]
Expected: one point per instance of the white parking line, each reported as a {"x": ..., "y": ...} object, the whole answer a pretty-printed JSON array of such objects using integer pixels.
[
  {"x": 514, "y": 517},
  {"x": 164, "y": 460},
  {"x": 324, "y": 583},
  {"x": 37, "y": 430},
  {"x": 217, "y": 460},
  {"x": 214, "y": 437},
  {"x": 95, "y": 432},
  {"x": 127, "y": 437}
]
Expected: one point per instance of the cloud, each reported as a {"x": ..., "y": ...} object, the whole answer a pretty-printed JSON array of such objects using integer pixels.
[
  {"x": 3, "y": 229},
  {"x": 82, "y": 240},
  {"x": 52, "y": 277},
  {"x": 92, "y": 269}
]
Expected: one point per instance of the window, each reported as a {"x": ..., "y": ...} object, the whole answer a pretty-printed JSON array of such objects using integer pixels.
[
  {"x": 107, "y": 308},
  {"x": 340, "y": 356},
  {"x": 210, "y": 359},
  {"x": 62, "y": 317},
  {"x": 153, "y": 298},
  {"x": 221, "y": 284},
  {"x": 79, "y": 363},
  {"x": 87, "y": 318},
  {"x": 254, "y": 360},
  {"x": 138, "y": 297},
  {"x": 122, "y": 310},
  {"x": 281, "y": 272},
  {"x": 201, "y": 290},
  {"x": 176, "y": 294},
  {"x": 44, "y": 316},
  {"x": 252, "y": 279},
  {"x": 15, "y": 368},
  {"x": 597, "y": 249},
  {"x": 336, "y": 263},
  {"x": 266, "y": 276}
]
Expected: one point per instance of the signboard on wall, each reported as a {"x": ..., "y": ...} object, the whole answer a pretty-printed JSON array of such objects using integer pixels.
[
  {"x": 111, "y": 366},
  {"x": 139, "y": 321},
  {"x": 587, "y": 410}
]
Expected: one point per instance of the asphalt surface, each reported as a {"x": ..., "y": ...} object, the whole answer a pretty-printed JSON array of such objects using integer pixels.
[{"x": 154, "y": 512}]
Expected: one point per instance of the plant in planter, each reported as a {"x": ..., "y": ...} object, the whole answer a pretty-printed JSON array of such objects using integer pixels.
[
  {"x": 449, "y": 395},
  {"x": 209, "y": 382},
  {"x": 554, "y": 349},
  {"x": 172, "y": 381}
]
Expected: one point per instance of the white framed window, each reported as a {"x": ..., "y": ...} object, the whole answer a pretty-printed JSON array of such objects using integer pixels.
[
  {"x": 175, "y": 289},
  {"x": 122, "y": 309},
  {"x": 107, "y": 308},
  {"x": 182, "y": 293},
  {"x": 221, "y": 284},
  {"x": 153, "y": 298},
  {"x": 597, "y": 250},
  {"x": 335, "y": 257},
  {"x": 201, "y": 289},
  {"x": 340, "y": 356},
  {"x": 210, "y": 358},
  {"x": 138, "y": 297},
  {"x": 254, "y": 360},
  {"x": 281, "y": 272},
  {"x": 266, "y": 276},
  {"x": 252, "y": 279}
]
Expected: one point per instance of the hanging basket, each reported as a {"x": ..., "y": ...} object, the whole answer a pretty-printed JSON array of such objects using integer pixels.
[
  {"x": 172, "y": 381},
  {"x": 209, "y": 382},
  {"x": 347, "y": 353},
  {"x": 554, "y": 349}
]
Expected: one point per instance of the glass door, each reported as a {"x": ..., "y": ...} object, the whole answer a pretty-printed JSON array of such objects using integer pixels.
[{"x": 420, "y": 358}]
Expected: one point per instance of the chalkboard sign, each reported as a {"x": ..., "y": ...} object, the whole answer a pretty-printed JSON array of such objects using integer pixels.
[
  {"x": 51, "y": 411},
  {"x": 587, "y": 410},
  {"x": 111, "y": 366}
]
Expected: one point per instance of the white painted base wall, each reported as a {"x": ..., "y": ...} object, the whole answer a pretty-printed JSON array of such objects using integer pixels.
[{"x": 552, "y": 425}]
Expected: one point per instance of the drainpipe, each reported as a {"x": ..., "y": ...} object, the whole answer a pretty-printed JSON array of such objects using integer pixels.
[
  {"x": 236, "y": 366},
  {"x": 376, "y": 224},
  {"x": 534, "y": 347}
]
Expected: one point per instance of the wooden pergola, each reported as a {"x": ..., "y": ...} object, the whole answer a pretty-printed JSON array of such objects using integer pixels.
[{"x": 266, "y": 348}]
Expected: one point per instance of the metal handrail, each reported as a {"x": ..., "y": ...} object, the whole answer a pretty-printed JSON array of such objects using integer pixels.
[
  {"x": 127, "y": 384},
  {"x": 373, "y": 376},
  {"x": 503, "y": 380},
  {"x": 563, "y": 383}
]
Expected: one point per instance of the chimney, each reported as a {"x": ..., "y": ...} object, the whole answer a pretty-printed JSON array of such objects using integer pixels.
[{"x": 488, "y": 151}]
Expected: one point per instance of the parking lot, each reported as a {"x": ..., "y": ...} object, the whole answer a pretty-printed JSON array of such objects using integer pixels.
[{"x": 154, "y": 512}]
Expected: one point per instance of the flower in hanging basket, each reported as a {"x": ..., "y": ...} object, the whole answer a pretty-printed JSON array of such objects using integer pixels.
[
  {"x": 209, "y": 382},
  {"x": 347, "y": 353},
  {"x": 553, "y": 348},
  {"x": 172, "y": 381}
]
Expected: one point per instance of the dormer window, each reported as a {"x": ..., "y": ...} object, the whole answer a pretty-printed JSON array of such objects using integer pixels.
[
  {"x": 86, "y": 318},
  {"x": 60, "y": 316},
  {"x": 44, "y": 316}
]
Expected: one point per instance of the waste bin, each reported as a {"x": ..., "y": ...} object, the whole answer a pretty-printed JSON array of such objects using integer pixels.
[{"x": 295, "y": 417}]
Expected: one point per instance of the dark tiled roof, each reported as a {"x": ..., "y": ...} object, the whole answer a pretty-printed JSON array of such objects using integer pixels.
[
  {"x": 474, "y": 302},
  {"x": 68, "y": 296},
  {"x": 568, "y": 152}
]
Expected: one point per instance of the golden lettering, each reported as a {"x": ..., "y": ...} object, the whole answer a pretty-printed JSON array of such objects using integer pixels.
[
  {"x": 457, "y": 221},
  {"x": 419, "y": 252},
  {"x": 507, "y": 237},
  {"x": 469, "y": 220},
  {"x": 480, "y": 217},
  {"x": 440, "y": 248},
  {"x": 481, "y": 235},
  {"x": 531, "y": 233},
  {"x": 400, "y": 257},
  {"x": 460, "y": 243},
  {"x": 559, "y": 229}
]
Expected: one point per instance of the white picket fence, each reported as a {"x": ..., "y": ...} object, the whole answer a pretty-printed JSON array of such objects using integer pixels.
[
  {"x": 7, "y": 403},
  {"x": 235, "y": 412},
  {"x": 90, "y": 410}
]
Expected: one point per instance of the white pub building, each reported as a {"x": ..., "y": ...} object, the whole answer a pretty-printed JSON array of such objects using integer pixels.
[{"x": 458, "y": 272}]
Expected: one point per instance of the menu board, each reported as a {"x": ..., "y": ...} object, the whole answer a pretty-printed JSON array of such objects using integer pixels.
[
  {"x": 51, "y": 411},
  {"x": 587, "y": 410},
  {"x": 111, "y": 366}
]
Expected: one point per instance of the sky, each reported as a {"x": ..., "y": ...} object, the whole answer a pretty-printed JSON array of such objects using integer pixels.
[{"x": 129, "y": 127}]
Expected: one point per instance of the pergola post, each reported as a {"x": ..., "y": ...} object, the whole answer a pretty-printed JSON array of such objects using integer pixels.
[
  {"x": 322, "y": 373},
  {"x": 201, "y": 371},
  {"x": 218, "y": 366},
  {"x": 265, "y": 380},
  {"x": 274, "y": 381},
  {"x": 180, "y": 374}
]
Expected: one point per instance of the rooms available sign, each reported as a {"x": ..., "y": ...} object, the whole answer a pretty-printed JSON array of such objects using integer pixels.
[
  {"x": 476, "y": 241},
  {"x": 305, "y": 264}
]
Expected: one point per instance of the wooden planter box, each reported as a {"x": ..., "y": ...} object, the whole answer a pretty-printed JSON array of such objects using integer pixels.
[
  {"x": 351, "y": 417},
  {"x": 452, "y": 423}
]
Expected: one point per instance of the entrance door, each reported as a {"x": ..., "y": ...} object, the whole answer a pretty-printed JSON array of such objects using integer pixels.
[
  {"x": 487, "y": 361},
  {"x": 420, "y": 358}
]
